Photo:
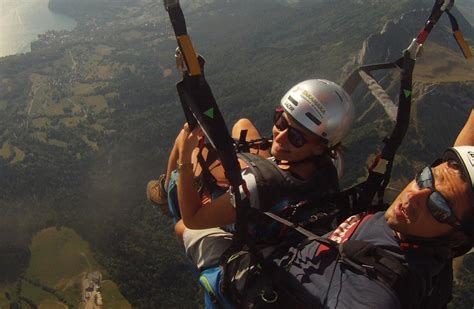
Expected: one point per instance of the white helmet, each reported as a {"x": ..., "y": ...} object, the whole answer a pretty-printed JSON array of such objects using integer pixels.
[
  {"x": 322, "y": 107},
  {"x": 465, "y": 156}
]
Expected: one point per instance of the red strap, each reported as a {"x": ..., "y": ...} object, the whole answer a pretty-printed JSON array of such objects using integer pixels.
[
  {"x": 422, "y": 36},
  {"x": 345, "y": 230},
  {"x": 375, "y": 162},
  {"x": 405, "y": 246}
]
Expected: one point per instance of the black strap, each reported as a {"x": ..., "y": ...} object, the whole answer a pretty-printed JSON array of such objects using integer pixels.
[
  {"x": 242, "y": 145},
  {"x": 379, "y": 175},
  {"x": 201, "y": 107},
  {"x": 209, "y": 181},
  {"x": 465, "y": 49},
  {"x": 373, "y": 262}
]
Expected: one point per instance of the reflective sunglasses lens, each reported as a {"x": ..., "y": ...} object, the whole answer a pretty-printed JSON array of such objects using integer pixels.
[
  {"x": 295, "y": 138},
  {"x": 439, "y": 207},
  {"x": 424, "y": 178},
  {"x": 280, "y": 122}
]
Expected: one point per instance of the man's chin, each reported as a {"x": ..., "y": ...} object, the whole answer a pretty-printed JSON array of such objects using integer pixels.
[
  {"x": 281, "y": 155},
  {"x": 392, "y": 220}
]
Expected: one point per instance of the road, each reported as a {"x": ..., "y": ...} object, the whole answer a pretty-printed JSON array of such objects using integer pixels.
[{"x": 91, "y": 297}]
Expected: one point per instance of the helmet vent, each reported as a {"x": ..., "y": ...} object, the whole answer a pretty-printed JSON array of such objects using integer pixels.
[
  {"x": 295, "y": 103},
  {"x": 313, "y": 118}
]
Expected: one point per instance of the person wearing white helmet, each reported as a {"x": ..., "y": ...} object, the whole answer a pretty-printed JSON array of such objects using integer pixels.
[
  {"x": 300, "y": 157},
  {"x": 400, "y": 258},
  {"x": 322, "y": 107},
  {"x": 305, "y": 143},
  {"x": 314, "y": 117}
]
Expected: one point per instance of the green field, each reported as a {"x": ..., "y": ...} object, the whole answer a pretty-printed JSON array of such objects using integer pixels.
[
  {"x": 6, "y": 150},
  {"x": 453, "y": 68},
  {"x": 59, "y": 260}
]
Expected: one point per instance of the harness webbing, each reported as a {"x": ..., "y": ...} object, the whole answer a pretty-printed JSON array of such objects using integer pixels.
[
  {"x": 310, "y": 235},
  {"x": 440, "y": 7},
  {"x": 379, "y": 173},
  {"x": 200, "y": 107},
  {"x": 465, "y": 49}
]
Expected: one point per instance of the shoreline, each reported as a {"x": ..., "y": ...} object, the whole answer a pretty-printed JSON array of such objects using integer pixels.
[{"x": 28, "y": 45}]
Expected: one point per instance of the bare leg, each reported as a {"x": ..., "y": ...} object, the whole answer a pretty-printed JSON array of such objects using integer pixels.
[
  {"x": 179, "y": 229},
  {"x": 215, "y": 167},
  {"x": 172, "y": 163},
  {"x": 242, "y": 124},
  {"x": 252, "y": 134}
]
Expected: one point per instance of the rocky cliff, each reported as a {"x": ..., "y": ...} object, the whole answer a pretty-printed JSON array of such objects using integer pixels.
[{"x": 443, "y": 93}]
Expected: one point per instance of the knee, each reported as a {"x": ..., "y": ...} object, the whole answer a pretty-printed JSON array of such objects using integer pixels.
[
  {"x": 179, "y": 228},
  {"x": 241, "y": 124}
]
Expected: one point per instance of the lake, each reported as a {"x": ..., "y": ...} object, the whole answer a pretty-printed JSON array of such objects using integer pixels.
[{"x": 22, "y": 20}]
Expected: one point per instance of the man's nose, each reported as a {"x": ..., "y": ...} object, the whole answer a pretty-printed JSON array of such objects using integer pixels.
[
  {"x": 422, "y": 194},
  {"x": 282, "y": 136}
]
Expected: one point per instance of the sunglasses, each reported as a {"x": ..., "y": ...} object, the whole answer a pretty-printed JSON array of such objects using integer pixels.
[
  {"x": 437, "y": 203},
  {"x": 295, "y": 137}
]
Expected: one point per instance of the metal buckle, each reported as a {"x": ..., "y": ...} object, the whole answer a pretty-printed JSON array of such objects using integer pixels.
[
  {"x": 273, "y": 299},
  {"x": 178, "y": 57}
]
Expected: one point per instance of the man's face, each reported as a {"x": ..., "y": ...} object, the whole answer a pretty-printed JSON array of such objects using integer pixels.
[{"x": 409, "y": 215}]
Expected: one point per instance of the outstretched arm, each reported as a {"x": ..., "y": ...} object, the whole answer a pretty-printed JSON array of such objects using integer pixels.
[{"x": 466, "y": 136}]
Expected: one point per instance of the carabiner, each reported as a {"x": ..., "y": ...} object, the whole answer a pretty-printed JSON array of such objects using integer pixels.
[{"x": 178, "y": 56}]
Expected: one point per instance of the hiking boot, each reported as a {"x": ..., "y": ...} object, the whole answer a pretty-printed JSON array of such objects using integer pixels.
[{"x": 156, "y": 193}]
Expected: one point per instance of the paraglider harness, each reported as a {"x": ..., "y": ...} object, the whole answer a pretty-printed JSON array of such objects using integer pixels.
[
  {"x": 200, "y": 107},
  {"x": 241, "y": 146}
]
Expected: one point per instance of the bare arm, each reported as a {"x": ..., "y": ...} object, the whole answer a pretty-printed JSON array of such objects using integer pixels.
[
  {"x": 466, "y": 136},
  {"x": 195, "y": 215}
]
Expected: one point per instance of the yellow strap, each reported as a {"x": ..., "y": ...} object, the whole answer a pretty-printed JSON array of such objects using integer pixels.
[
  {"x": 466, "y": 50},
  {"x": 190, "y": 56}
]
